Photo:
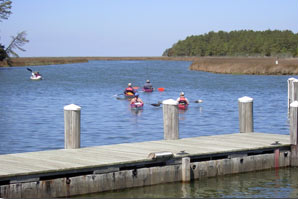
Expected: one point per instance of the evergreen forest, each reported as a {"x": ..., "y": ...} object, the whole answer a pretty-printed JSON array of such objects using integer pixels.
[{"x": 238, "y": 43}]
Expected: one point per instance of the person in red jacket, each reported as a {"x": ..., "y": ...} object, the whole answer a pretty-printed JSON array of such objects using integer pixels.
[
  {"x": 129, "y": 90},
  {"x": 182, "y": 99}
]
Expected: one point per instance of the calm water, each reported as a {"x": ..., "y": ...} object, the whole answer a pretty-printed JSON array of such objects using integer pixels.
[
  {"x": 31, "y": 112},
  {"x": 263, "y": 184}
]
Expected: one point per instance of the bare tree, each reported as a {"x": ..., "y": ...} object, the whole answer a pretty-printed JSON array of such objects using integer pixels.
[{"x": 17, "y": 43}]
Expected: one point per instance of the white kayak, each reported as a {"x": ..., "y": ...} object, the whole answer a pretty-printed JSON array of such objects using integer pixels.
[{"x": 36, "y": 78}]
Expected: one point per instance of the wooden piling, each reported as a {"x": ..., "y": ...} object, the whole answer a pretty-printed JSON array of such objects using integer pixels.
[
  {"x": 290, "y": 92},
  {"x": 295, "y": 90},
  {"x": 246, "y": 114},
  {"x": 185, "y": 169},
  {"x": 170, "y": 119},
  {"x": 72, "y": 126},
  {"x": 294, "y": 132}
]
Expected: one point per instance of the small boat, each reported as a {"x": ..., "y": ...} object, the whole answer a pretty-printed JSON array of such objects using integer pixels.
[
  {"x": 36, "y": 77},
  {"x": 148, "y": 89},
  {"x": 182, "y": 106},
  {"x": 137, "y": 105}
]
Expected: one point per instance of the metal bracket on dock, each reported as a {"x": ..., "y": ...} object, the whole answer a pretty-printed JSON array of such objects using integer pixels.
[
  {"x": 24, "y": 179},
  {"x": 106, "y": 170},
  {"x": 160, "y": 155},
  {"x": 237, "y": 155}
]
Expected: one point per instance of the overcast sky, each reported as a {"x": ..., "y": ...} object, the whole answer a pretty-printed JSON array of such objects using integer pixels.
[{"x": 135, "y": 27}]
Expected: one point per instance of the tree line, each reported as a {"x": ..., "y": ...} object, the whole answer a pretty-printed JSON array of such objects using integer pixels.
[
  {"x": 18, "y": 41},
  {"x": 238, "y": 43}
]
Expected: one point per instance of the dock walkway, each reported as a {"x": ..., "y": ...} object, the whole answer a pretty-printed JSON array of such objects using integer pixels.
[{"x": 89, "y": 159}]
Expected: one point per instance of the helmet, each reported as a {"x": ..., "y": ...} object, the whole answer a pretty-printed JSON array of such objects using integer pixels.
[
  {"x": 137, "y": 95},
  {"x": 182, "y": 93},
  {"x": 129, "y": 84},
  {"x": 148, "y": 81}
]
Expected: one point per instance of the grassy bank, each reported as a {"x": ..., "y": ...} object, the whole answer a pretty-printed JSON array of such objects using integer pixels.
[
  {"x": 228, "y": 65},
  {"x": 35, "y": 61},
  {"x": 244, "y": 65}
]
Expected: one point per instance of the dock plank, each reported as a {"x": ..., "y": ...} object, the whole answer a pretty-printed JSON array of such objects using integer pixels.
[{"x": 108, "y": 155}]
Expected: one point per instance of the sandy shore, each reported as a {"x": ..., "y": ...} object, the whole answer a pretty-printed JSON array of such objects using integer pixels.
[{"x": 227, "y": 65}]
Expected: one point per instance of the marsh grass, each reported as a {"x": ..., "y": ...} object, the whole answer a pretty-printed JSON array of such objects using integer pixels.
[
  {"x": 229, "y": 65},
  {"x": 246, "y": 65}
]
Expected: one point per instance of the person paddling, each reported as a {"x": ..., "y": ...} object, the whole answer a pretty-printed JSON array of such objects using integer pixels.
[
  {"x": 182, "y": 99},
  {"x": 148, "y": 85},
  {"x": 136, "y": 99},
  {"x": 129, "y": 90},
  {"x": 35, "y": 74}
]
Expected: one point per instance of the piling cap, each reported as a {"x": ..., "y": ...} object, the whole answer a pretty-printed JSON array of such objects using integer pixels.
[
  {"x": 170, "y": 102},
  {"x": 294, "y": 104},
  {"x": 245, "y": 99},
  {"x": 72, "y": 107}
]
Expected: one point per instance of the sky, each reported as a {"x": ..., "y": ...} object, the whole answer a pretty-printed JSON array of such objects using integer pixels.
[{"x": 59, "y": 28}]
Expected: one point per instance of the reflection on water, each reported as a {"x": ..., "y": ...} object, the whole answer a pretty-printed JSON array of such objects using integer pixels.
[{"x": 262, "y": 184}]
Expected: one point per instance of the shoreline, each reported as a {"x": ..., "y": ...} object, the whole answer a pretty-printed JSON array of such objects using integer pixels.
[{"x": 222, "y": 65}]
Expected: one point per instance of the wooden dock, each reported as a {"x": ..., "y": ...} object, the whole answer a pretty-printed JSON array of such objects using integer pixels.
[{"x": 66, "y": 161}]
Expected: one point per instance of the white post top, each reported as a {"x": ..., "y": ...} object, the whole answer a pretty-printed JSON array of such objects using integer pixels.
[
  {"x": 170, "y": 102},
  {"x": 72, "y": 107},
  {"x": 292, "y": 78},
  {"x": 295, "y": 80},
  {"x": 245, "y": 99},
  {"x": 294, "y": 104}
]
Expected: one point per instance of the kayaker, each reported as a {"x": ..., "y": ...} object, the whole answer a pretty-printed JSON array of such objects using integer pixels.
[
  {"x": 129, "y": 90},
  {"x": 148, "y": 85},
  {"x": 35, "y": 74},
  {"x": 136, "y": 99},
  {"x": 182, "y": 99}
]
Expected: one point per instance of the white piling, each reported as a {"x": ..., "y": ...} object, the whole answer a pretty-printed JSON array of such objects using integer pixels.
[
  {"x": 170, "y": 119},
  {"x": 72, "y": 126},
  {"x": 294, "y": 132},
  {"x": 294, "y": 90},
  {"x": 290, "y": 91},
  {"x": 246, "y": 114}
]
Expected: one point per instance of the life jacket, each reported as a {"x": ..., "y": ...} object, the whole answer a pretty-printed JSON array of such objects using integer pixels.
[
  {"x": 182, "y": 100},
  {"x": 129, "y": 91}
]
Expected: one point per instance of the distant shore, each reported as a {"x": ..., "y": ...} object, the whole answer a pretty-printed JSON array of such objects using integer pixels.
[{"x": 225, "y": 65}]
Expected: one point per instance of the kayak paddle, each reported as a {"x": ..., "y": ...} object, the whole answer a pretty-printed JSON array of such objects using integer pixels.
[
  {"x": 198, "y": 101},
  {"x": 29, "y": 70},
  {"x": 159, "y": 103}
]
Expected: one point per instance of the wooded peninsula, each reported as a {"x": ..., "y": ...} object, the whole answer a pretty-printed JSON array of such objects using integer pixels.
[{"x": 237, "y": 52}]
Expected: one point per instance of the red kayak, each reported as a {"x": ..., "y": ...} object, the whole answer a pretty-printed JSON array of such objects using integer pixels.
[
  {"x": 182, "y": 106},
  {"x": 148, "y": 89},
  {"x": 137, "y": 105}
]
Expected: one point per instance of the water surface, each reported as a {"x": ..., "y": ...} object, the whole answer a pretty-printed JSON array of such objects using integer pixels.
[
  {"x": 282, "y": 183},
  {"x": 31, "y": 112}
]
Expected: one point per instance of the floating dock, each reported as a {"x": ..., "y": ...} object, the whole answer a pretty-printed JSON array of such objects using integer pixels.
[{"x": 69, "y": 172}]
